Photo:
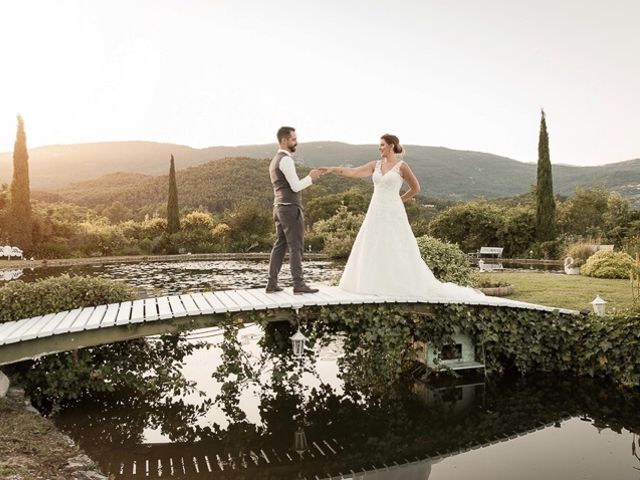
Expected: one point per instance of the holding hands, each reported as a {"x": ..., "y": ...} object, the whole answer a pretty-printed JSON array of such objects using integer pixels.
[{"x": 318, "y": 172}]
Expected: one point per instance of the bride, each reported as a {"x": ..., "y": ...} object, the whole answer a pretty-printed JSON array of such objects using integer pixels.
[{"x": 385, "y": 258}]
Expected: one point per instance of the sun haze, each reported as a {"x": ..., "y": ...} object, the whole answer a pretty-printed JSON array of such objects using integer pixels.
[{"x": 460, "y": 74}]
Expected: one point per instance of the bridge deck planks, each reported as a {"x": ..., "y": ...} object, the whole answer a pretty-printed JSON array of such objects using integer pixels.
[
  {"x": 45, "y": 326},
  {"x": 208, "y": 303}
]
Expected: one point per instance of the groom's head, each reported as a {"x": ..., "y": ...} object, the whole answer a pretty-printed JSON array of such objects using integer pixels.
[{"x": 287, "y": 138}]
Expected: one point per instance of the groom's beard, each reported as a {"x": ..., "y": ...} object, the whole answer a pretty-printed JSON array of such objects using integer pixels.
[{"x": 292, "y": 148}]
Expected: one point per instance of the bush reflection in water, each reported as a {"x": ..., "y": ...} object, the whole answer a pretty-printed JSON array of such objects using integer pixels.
[{"x": 373, "y": 424}]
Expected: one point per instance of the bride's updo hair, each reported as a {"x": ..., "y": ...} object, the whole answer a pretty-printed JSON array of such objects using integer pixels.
[{"x": 393, "y": 140}]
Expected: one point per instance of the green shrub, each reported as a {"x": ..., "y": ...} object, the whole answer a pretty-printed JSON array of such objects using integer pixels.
[
  {"x": 339, "y": 232},
  {"x": 479, "y": 280},
  {"x": 250, "y": 228},
  {"x": 607, "y": 264},
  {"x": 19, "y": 299},
  {"x": 133, "y": 367},
  {"x": 447, "y": 262},
  {"x": 470, "y": 225}
]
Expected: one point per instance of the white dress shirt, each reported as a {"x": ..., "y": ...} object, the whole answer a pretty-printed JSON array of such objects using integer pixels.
[{"x": 288, "y": 168}]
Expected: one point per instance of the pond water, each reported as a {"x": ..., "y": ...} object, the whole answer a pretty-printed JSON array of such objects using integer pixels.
[
  {"x": 162, "y": 278},
  {"x": 319, "y": 424}
]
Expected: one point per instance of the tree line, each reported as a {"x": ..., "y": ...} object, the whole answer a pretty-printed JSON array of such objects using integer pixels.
[{"x": 237, "y": 216}]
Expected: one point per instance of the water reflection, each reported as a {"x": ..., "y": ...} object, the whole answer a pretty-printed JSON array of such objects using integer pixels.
[
  {"x": 301, "y": 420},
  {"x": 7, "y": 275},
  {"x": 163, "y": 278}
]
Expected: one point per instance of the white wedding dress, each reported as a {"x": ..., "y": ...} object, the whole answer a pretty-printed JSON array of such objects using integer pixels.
[{"x": 385, "y": 259}]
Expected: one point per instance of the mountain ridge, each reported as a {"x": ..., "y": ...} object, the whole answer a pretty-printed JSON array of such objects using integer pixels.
[{"x": 442, "y": 171}]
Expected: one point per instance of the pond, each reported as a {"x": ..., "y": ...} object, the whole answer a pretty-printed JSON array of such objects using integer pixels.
[
  {"x": 311, "y": 418},
  {"x": 320, "y": 426},
  {"x": 163, "y": 278}
]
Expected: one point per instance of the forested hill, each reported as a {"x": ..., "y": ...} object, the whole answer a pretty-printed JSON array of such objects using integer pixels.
[
  {"x": 442, "y": 172},
  {"x": 216, "y": 186}
]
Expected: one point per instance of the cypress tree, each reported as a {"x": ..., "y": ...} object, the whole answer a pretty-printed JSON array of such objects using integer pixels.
[
  {"x": 545, "y": 203},
  {"x": 20, "y": 221},
  {"x": 173, "y": 215}
]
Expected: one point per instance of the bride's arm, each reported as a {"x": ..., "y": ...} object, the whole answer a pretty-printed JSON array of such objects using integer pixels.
[
  {"x": 365, "y": 170},
  {"x": 412, "y": 181}
]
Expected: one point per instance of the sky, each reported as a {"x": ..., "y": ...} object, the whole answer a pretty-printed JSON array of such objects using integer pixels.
[{"x": 461, "y": 74}]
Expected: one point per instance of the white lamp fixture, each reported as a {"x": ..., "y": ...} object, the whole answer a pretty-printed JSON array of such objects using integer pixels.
[
  {"x": 300, "y": 441},
  {"x": 599, "y": 306},
  {"x": 298, "y": 341}
]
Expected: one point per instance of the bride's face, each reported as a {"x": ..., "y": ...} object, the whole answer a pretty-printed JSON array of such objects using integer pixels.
[{"x": 385, "y": 148}]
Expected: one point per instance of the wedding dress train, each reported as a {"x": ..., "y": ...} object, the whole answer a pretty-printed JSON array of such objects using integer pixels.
[{"x": 385, "y": 258}]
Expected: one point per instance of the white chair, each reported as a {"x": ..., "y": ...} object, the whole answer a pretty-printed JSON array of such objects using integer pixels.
[{"x": 9, "y": 251}]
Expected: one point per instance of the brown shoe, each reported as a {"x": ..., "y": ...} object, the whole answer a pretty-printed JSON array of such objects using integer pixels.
[
  {"x": 273, "y": 289},
  {"x": 304, "y": 289}
]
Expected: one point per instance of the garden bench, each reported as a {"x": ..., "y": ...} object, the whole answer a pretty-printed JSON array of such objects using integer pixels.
[
  {"x": 497, "y": 251},
  {"x": 489, "y": 267},
  {"x": 8, "y": 251},
  {"x": 489, "y": 252}
]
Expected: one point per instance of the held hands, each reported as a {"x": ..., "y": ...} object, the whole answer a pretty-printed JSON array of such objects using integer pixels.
[
  {"x": 318, "y": 172},
  {"x": 315, "y": 173}
]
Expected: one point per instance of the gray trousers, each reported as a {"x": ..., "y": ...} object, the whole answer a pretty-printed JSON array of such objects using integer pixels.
[{"x": 289, "y": 221}]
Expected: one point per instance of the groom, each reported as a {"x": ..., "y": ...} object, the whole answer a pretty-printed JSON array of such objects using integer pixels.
[{"x": 287, "y": 212}]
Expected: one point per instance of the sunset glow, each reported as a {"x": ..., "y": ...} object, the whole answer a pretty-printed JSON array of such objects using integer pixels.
[{"x": 460, "y": 74}]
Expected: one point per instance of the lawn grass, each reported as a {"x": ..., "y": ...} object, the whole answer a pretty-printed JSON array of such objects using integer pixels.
[{"x": 565, "y": 291}]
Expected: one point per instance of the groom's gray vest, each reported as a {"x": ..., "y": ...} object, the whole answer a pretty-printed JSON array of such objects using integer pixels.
[{"x": 281, "y": 189}]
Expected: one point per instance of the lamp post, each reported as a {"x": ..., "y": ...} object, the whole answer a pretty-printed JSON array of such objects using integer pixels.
[
  {"x": 599, "y": 306},
  {"x": 300, "y": 444},
  {"x": 298, "y": 341}
]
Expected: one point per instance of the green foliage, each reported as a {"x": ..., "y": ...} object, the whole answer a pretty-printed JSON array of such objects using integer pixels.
[
  {"x": 481, "y": 223},
  {"x": 447, "y": 262},
  {"x": 339, "y": 232},
  {"x": 595, "y": 212},
  {"x": 545, "y": 203},
  {"x": 470, "y": 225},
  {"x": 356, "y": 199},
  {"x": 216, "y": 186},
  {"x": 579, "y": 251},
  {"x": 584, "y": 213},
  {"x": 139, "y": 366},
  {"x": 154, "y": 227},
  {"x": 20, "y": 214},
  {"x": 480, "y": 280},
  {"x": 116, "y": 212},
  {"x": 19, "y": 299},
  {"x": 527, "y": 340},
  {"x": 606, "y": 264},
  {"x": 195, "y": 236},
  {"x": 378, "y": 340},
  {"x": 517, "y": 232},
  {"x": 250, "y": 227},
  {"x": 173, "y": 213}
]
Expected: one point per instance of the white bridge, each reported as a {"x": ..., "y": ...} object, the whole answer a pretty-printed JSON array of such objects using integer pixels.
[{"x": 89, "y": 326}]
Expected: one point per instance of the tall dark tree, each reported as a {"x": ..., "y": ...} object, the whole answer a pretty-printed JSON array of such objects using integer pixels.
[
  {"x": 20, "y": 221},
  {"x": 545, "y": 203},
  {"x": 173, "y": 214}
]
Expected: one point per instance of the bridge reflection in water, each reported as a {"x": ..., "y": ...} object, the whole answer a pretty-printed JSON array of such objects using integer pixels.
[
  {"x": 395, "y": 438},
  {"x": 212, "y": 459}
]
